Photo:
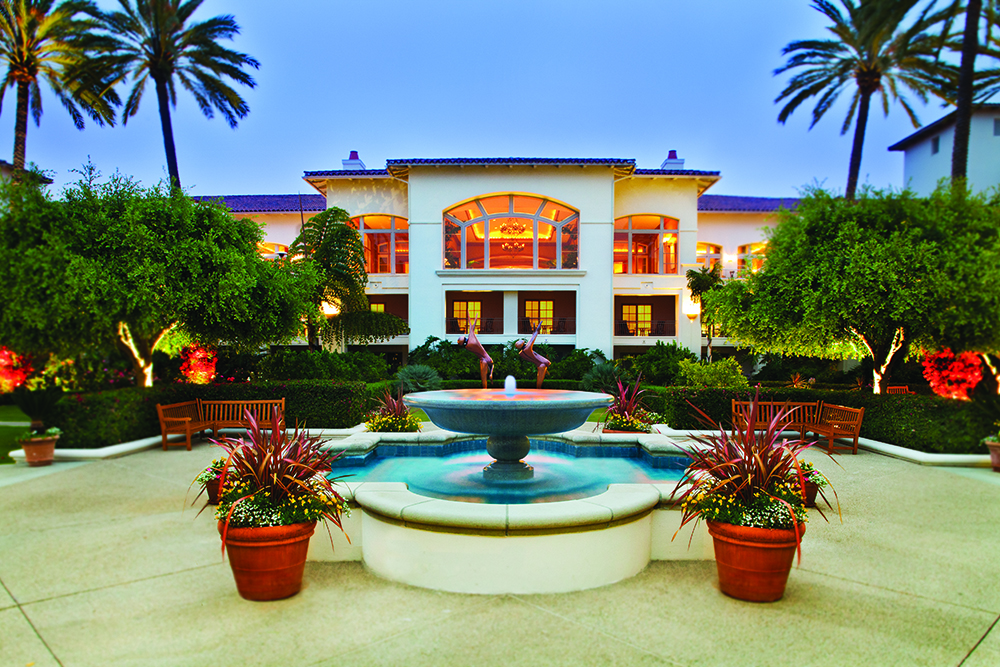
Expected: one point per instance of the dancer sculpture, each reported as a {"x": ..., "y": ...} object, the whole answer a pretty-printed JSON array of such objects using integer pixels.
[
  {"x": 527, "y": 352},
  {"x": 471, "y": 343}
]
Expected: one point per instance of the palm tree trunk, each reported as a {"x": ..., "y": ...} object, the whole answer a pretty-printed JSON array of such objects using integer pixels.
[
  {"x": 859, "y": 142},
  {"x": 168, "y": 133},
  {"x": 963, "y": 103},
  {"x": 21, "y": 126}
]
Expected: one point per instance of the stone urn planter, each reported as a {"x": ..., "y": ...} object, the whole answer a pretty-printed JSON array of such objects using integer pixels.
[
  {"x": 268, "y": 561},
  {"x": 39, "y": 451},
  {"x": 994, "y": 447},
  {"x": 753, "y": 563}
]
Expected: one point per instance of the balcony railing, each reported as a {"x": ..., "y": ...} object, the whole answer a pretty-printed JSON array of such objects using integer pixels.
[
  {"x": 652, "y": 328},
  {"x": 486, "y": 325},
  {"x": 550, "y": 326}
]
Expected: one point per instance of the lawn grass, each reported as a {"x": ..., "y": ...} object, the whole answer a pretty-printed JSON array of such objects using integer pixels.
[
  {"x": 8, "y": 442},
  {"x": 598, "y": 415},
  {"x": 11, "y": 413}
]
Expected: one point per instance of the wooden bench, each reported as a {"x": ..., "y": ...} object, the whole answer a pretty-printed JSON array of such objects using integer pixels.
[
  {"x": 198, "y": 416},
  {"x": 797, "y": 414},
  {"x": 184, "y": 418},
  {"x": 899, "y": 389},
  {"x": 837, "y": 421},
  {"x": 230, "y": 414}
]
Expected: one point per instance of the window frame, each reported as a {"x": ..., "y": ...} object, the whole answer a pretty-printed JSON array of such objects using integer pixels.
[
  {"x": 630, "y": 231},
  {"x": 486, "y": 218},
  {"x": 358, "y": 222}
]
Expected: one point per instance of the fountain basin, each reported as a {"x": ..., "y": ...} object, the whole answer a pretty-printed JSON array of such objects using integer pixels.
[
  {"x": 510, "y": 548},
  {"x": 510, "y": 414}
]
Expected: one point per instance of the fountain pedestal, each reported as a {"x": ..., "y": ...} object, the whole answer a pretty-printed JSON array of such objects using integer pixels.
[{"x": 508, "y": 450}]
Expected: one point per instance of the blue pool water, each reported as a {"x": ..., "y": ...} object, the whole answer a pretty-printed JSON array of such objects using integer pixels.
[{"x": 562, "y": 471}]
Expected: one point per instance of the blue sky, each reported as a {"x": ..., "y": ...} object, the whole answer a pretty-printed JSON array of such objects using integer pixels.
[{"x": 533, "y": 78}]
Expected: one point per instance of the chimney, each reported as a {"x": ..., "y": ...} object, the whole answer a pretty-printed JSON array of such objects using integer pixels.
[
  {"x": 672, "y": 162},
  {"x": 354, "y": 162}
]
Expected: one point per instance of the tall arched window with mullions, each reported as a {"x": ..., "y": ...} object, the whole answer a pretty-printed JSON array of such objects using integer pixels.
[{"x": 511, "y": 231}]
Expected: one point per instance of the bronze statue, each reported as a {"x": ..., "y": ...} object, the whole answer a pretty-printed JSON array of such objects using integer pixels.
[
  {"x": 471, "y": 343},
  {"x": 527, "y": 352}
]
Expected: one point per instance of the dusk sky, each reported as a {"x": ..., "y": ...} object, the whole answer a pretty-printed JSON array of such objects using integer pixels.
[{"x": 535, "y": 78}]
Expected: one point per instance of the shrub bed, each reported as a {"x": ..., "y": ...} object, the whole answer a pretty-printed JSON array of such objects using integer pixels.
[
  {"x": 924, "y": 423},
  {"x": 106, "y": 418}
]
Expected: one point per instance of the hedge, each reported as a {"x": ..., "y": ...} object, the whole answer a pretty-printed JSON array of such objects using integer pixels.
[
  {"x": 924, "y": 423},
  {"x": 89, "y": 421}
]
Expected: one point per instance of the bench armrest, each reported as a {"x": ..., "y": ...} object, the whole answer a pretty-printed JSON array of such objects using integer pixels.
[{"x": 176, "y": 419}]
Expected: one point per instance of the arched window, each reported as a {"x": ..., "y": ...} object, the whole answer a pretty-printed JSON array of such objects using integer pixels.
[
  {"x": 645, "y": 243},
  {"x": 511, "y": 231},
  {"x": 709, "y": 254},
  {"x": 750, "y": 256},
  {"x": 387, "y": 242}
]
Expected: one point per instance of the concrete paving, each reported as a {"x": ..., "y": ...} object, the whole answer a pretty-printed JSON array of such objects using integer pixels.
[{"x": 106, "y": 563}]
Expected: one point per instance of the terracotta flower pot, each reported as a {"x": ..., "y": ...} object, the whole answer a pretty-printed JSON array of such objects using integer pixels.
[
  {"x": 268, "y": 562},
  {"x": 212, "y": 490},
  {"x": 811, "y": 488},
  {"x": 39, "y": 451},
  {"x": 753, "y": 563},
  {"x": 994, "y": 454}
]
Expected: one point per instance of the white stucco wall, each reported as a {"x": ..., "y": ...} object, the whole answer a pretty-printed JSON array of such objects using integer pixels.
[
  {"x": 922, "y": 170},
  {"x": 731, "y": 230},
  {"x": 432, "y": 190},
  {"x": 360, "y": 196},
  {"x": 279, "y": 227},
  {"x": 677, "y": 198}
]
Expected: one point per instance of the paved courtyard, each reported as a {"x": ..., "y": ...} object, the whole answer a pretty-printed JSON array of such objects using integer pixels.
[{"x": 105, "y": 563}]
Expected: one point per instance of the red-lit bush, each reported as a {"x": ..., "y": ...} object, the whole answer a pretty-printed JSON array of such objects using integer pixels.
[
  {"x": 14, "y": 370},
  {"x": 953, "y": 376},
  {"x": 199, "y": 364}
]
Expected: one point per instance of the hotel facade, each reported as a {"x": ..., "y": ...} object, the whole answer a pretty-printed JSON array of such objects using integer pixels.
[{"x": 593, "y": 250}]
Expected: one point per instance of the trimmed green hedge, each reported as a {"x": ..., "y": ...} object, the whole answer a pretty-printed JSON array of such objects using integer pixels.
[
  {"x": 106, "y": 418},
  {"x": 924, "y": 423}
]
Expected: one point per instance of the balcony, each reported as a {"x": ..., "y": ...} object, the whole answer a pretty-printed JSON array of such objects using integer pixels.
[
  {"x": 646, "y": 329},
  {"x": 550, "y": 326},
  {"x": 486, "y": 325}
]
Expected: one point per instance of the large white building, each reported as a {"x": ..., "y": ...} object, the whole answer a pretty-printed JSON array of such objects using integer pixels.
[{"x": 593, "y": 249}]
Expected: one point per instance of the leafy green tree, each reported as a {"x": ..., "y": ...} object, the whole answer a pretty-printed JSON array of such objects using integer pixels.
[
  {"x": 873, "y": 52},
  {"x": 156, "y": 39},
  {"x": 58, "y": 45},
  {"x": 700, "y": 282},
  {"x": 335, "y": 249},
  {"x": 841, "y": 279},
  {"x": 116, "y": 263}
]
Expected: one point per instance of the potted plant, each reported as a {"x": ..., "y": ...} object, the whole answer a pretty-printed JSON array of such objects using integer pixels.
[
  {"x": 38, "y": 401},
  {"x": 750, "y": 489},
  {"x": 626, "y": 414},
  {"x": 275, "y": 489},
  {"x": 392, "y": 416},
  {"x": 210, "y": 479},
  {"x": 813, "y": 481},
  {"x": 993, "y": 442},
  {"x": 39, "y": 446}
]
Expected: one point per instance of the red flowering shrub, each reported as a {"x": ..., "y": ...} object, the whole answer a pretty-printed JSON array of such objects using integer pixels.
[
  {"x": 14, "y": 370},
  {"x": 199, "y": 364},
  {"x": 953, "y": 376}
]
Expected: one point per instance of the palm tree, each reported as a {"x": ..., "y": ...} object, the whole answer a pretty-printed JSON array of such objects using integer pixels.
[
  {"x": 701, "y": 282},
  {"x": 39, "y": 42},
  {"x": 338, "y": 253},
  {"x": 873, "y": 51},
  {"x": 155, "y": 40}
]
